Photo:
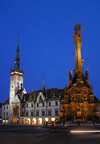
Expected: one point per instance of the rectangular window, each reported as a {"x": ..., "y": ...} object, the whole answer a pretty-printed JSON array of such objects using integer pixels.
[
  {"x": 56, "y": 103},
  {"x": 49, "y": 113},
  {"x": 31, "y": 113},
  {"x": 43, "y": 113},
  {"x": 56, "y": 113},
  {"x": 37, "y": 104},
  {"x": 7, "y": 107},
  {"x": 22, "y": 105},
  {"x": 26, "y": 113},
  {"x": 32, "y": 105},
  {"x": 27, "y": 105},
  {"x": 43, "y": 104},
  {"x": 4, "y": 107},
  {"x": 37, "y": 113},
  {"x": 22, "y": 113},
  {"x": 49, "y": 103},
  {"x": 6, "y": 113}
]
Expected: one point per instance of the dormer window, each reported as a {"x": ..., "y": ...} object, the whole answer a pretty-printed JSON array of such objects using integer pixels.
[
  {"x": 54, "y": 94},
  {"x": 30, "y": 97},
  {"x": 51, "y": 91},
  {"x": 43, "y": 104},
  {"x": 40, "y": 97},
  {"x": 59, "y": 94},
  {"x": 40, "y": 100}
]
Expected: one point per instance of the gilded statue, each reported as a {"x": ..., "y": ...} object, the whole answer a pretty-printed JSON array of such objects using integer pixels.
[{"x": 78, "y": 30}]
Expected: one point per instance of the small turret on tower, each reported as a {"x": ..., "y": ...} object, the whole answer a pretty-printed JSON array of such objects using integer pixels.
[{"x": 43, "y": 86}]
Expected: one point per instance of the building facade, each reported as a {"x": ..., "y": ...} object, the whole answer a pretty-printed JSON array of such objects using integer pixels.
[
  {"x": 38, "y": 107},
  {"x": 76, "y": 102}
]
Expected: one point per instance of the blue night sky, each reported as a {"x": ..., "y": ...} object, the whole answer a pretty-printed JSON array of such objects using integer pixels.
[{"x": 46, "y": 41}]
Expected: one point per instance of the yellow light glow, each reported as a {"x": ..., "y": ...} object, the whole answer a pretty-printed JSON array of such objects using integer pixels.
[
  {"x": 52, "y": 119},
  {"x": 40, "y": 119},
  {"x": 16, "y": 73},
  {"x": 85, "y": 131},
  {"x": 34, "y": 119},
  {"x": 46, "y": 119}
]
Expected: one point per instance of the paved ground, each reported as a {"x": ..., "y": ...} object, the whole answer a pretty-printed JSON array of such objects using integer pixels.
[{"x": 25, "y": 134}]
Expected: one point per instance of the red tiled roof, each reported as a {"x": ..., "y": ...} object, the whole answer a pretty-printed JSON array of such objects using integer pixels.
[
  {"x": 51, "y": 94},
  {"x": 6, "y": 102}
]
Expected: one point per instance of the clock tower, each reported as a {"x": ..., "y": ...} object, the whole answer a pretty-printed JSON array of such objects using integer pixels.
[{"x": 16, "y": 81}]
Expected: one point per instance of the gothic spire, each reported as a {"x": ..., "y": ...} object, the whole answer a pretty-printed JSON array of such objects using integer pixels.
[{"x": 17, "y": 58}]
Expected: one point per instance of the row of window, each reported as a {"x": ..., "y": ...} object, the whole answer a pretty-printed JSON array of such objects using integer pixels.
[
  {"x": 43, "y": 113},
  {"x": 5, "y": 113},
  {"x": 49, "y": 104},
  {"x": 5, "y": 107}
]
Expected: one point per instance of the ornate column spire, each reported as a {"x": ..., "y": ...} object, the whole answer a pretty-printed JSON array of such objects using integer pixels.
[{"x": 78, "y": 41}]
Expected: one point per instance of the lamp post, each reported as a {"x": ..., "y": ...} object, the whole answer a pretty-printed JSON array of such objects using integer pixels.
[{"x": 46, "y": 104}]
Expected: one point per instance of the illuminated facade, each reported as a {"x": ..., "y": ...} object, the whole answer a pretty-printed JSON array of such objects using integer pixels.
[
  {"x": 76, "y": 102},
  {"x": 37, "y": 108},
  {"x": 80, "y": 103}
]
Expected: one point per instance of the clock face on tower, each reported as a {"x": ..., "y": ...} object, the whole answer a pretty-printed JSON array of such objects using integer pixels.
[{"x": 19, "y": 78}]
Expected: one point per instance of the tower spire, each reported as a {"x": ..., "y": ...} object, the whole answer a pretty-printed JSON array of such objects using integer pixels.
[
  {"x": 18, "y": 40},
  {"x": 17, "y": 58},
  {"x": 43, "y": 86}
]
